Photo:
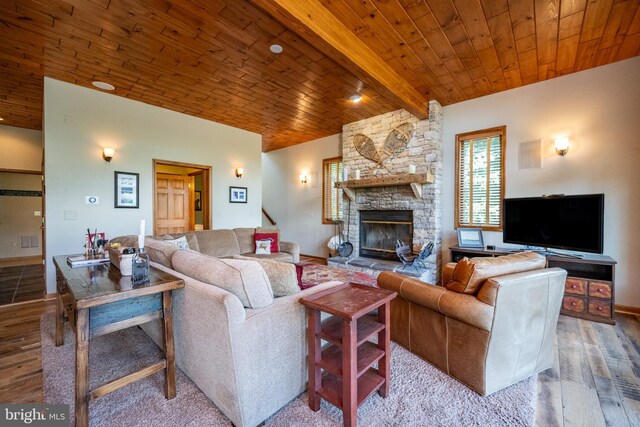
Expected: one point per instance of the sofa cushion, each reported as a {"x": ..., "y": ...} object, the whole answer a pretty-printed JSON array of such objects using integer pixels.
[
  {"x": 192, "y": 239},
  {"x": 218, "y": 243},
  {"x": 179, "y": 242},
  {"x": 245, "y": 279},
  {"x": 469, "y": 274},
  {"x": 282, "y": 276},
  {"x": 245, "y": 239},
  {"x": 280, "y": 256},
  {"x": 160, "y": 251}
]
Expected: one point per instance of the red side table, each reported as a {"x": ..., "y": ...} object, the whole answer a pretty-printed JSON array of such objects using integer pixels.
[{"x": 342, "y": 371}]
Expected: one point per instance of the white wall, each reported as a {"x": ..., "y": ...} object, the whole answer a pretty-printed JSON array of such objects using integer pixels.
[
  {"x": 600, "y": 109},
  {"x": 78, "y": 122},
  {"x": 20, "y": 149},
  {"x": 296, "y": 207}
]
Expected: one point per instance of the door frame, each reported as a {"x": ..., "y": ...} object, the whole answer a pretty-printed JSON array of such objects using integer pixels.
[
  {"x": 42, "y": 212},
  {"x": 206, "y": 193}
]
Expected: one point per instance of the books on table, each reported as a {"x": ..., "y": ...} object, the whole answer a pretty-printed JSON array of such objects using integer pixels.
[{"x": 82, "y": 261}]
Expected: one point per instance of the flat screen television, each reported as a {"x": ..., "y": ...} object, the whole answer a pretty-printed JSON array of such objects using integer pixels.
[{"x": 563, "y": 222}]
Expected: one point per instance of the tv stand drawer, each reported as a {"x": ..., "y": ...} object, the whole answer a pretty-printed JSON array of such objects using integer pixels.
[
  {"x": 600, "y": 290},
  {"x": 600, "y": 308},
  {"x": 574, "y": 304},
  {"x": 575, "y": 286}
]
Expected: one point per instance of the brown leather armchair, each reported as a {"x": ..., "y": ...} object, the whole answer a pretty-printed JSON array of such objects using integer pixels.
[{"x": 495, "y": 328}]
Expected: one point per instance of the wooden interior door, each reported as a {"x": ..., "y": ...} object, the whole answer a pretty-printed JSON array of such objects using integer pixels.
[{"x": 172, "y": 204}]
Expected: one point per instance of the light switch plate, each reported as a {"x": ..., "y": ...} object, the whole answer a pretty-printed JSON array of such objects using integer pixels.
[
  {"x": 92, "y": 200},
  {"x": 37, "y": 213}
]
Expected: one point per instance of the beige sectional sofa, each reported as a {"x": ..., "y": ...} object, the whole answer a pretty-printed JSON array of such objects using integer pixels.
[
  {"x": 249, "y": 361},
  {"x": 225, "y": 243}
]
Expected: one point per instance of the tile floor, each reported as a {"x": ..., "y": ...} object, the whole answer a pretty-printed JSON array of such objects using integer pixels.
[{"x": 21, "y": 283}]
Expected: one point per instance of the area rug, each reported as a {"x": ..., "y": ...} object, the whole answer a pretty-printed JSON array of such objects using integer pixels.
[
  {"x": 315, "y": 274},
  {"x": 420, "y": 394}
]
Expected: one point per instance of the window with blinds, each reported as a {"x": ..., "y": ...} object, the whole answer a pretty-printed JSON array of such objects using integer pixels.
[
  {"x": 480, "y": 179},
  {"x": 331, "y": 196}
]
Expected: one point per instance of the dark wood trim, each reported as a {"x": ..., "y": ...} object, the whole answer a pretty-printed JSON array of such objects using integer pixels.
[
  {"x": 271, "y": 220},
  {"x": 206, "y": 189},
  {"x": 22, "y": 171},
  {"x": 319, "y": 258},
  {"x": 627, "y": 309}
]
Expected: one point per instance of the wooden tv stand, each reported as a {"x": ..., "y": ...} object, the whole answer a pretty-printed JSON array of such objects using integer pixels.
[{"x": 589, "y": 291}]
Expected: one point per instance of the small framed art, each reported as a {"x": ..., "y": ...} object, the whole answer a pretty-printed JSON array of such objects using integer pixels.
[
  {"x": 126, "y": 190},
  {"x": 470, "y": 238},
  {"x": 237, "y": 194}
]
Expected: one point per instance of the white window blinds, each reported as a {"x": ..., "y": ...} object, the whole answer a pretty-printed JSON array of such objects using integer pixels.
[
  {"x": 480, "y": 179},
  {"x": 332, "y": 196}
]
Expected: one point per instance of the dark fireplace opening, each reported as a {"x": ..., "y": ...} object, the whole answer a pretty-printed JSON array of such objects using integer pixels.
[{"x": 379, "y": 231}]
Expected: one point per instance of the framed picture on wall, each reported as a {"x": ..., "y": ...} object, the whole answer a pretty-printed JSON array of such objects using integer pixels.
[
  {"x": 126, "y": 190},
  {"x": 237, "y": 194},
  {"x": 198, "y": 200}
]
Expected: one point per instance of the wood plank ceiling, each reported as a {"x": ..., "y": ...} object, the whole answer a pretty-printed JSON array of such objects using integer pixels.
[{"x": 211, "y": 59}]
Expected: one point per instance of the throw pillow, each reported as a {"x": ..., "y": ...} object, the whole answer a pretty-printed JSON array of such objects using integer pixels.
[
  {"x": 180, "y": 242},
  {"x": 265, "y": 236},
  {"x": 470, "y": 274},
  {"x": 263, "y": 247},
  {"x": 282, "y": 276},
  {"x": 245, "y": 279}
]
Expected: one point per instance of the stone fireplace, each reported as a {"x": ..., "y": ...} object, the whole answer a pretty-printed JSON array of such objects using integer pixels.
[
  {"x": 421, "y": 157},
  {"x": 380, "y": 229}
]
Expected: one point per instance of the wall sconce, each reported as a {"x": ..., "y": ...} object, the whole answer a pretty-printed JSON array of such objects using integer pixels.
[
  {"x": 107, "y": 153},
  {"x": 239, "y": 172},
  {"x": 303, "y": 178},
  {"x": 562, "y": 145}
]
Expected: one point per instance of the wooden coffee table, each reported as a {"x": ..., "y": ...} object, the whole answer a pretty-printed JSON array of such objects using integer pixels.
[
  {"x": 98, "y": 300},
  {"x": 348, "y": 378}
]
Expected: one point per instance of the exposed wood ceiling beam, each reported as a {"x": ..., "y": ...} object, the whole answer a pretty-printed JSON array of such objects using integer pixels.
[{"x": 311, "y": 20}]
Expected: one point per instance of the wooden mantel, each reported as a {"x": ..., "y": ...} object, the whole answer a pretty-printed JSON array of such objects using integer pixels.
[{"x": 414, "y": 180}]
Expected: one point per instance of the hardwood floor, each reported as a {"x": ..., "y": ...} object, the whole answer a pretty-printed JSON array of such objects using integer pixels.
[
  {"x": 595, "y": 380},
  {"x": 313, "y": 259},
  {"x": 21, "y": 283},
  {"x": 20, "y": 355}
]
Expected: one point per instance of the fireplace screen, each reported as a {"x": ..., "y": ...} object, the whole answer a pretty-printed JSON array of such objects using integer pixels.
[{"x": 379, "y": 231}]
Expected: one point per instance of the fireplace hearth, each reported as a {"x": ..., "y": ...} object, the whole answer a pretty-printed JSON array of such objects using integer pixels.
[{"x": 381, "y": 229}]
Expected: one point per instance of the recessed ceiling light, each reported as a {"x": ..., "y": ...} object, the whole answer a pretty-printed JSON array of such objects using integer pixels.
[
  {"x": 276, "y": 48},
  {"x": 103, "y": 85},
  {"x": 355, "y": 98},
  {"x": 1, "y": 119}
]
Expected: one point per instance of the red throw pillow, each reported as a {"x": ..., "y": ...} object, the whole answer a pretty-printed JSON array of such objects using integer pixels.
[{"x": 265, "y": 236}]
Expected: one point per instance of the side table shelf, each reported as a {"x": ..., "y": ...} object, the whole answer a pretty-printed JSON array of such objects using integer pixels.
[{"x": 342, "y": 371}]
